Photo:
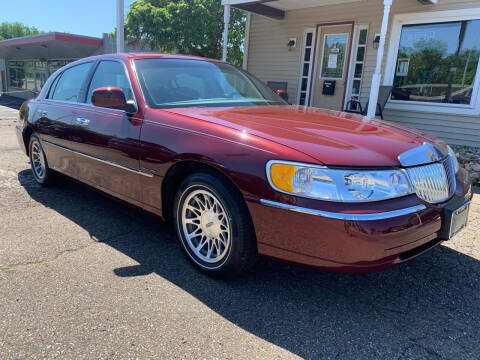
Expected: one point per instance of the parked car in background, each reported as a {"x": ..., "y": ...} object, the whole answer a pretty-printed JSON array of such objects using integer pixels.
[{"x": 239, "y": 172}]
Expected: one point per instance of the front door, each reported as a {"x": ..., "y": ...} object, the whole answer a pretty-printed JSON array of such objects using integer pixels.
[{"x": 333, "y": 49}]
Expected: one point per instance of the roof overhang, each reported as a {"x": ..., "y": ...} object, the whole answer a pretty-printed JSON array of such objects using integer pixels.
[
  {"x": 276, "y": 8},
  {"x": 48, "y": 46}
]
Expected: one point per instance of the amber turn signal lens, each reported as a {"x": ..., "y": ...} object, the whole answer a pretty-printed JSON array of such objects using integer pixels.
[{"x": 282, "y": 176}]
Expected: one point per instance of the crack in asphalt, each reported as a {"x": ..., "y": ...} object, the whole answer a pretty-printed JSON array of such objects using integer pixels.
[
  {"x": 41, "y": 262},
  {"x": 60, "y": 253}
]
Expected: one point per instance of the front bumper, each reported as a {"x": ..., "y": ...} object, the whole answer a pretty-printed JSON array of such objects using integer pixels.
[{"x": 359, "y": 240}]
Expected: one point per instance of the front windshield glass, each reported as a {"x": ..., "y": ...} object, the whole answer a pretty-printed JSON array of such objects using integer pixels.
[{"x": 170, "y": 83}]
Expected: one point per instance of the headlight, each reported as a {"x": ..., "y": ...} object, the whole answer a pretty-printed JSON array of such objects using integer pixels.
[
  {"x": 452, "y": 154},
  {"x": 341, "y": 185}
]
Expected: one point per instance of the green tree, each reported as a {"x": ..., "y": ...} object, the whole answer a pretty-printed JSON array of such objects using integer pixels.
[
  {"x": 187, "y": 27},
  {"x": 10, "y": 30}
]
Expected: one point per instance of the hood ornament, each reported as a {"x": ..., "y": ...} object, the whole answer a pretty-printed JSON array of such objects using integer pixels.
[{"x": 423, "y": 154}]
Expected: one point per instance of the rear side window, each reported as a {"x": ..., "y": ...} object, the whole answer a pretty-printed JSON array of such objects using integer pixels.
[
  {"x": 68, "y": 87},
  {"x": 52, "y": 88},
  {"x": 110, "y": 73}
]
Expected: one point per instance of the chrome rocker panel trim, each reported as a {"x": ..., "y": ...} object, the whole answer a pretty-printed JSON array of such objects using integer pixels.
[
  {"x": 112, "y": 163},
  {"x": 341, "y": 216}
]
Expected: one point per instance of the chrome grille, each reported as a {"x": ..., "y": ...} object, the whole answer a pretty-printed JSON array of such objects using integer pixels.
[
  {"x": 449, "y": 165},
  {"x": 434, "y": 183}
]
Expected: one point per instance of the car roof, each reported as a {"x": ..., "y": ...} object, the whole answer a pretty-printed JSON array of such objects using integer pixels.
[{"x": 132, "y": 56}]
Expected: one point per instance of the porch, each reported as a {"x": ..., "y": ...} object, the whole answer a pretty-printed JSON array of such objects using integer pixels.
[{"x": 355, "y": 43}]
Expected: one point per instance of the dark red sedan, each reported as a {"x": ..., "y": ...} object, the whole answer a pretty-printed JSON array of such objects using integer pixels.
[{"x": 238, "y": 171}]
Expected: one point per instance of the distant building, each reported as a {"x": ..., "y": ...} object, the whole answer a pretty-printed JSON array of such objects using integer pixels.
[{"x": 27, "y": 62}]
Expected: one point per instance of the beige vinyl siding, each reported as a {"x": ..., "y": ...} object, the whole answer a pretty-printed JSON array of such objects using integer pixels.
[{"x": 271, "y": 60}]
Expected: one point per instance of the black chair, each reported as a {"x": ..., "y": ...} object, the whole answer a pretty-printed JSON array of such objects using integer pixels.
[{"x": 354, "y": 106}]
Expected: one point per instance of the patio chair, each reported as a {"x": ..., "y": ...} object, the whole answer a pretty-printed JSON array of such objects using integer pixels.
[{"x": 354, "y": 106}]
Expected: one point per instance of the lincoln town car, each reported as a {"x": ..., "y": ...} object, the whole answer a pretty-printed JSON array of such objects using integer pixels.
[{"x": 240, "y": 173}]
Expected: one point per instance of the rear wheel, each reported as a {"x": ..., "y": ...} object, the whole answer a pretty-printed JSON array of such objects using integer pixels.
[
  {"x": 214, "y": 226},
  {"x": 38, "y": 161}
]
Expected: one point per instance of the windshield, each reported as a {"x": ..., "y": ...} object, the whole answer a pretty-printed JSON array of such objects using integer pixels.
[{"x": 169, "y": 83}]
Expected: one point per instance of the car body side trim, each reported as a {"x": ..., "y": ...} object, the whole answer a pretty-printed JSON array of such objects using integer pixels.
[
  {"x": 108, "y": 162},
  {"x": 346, "y": 216}
]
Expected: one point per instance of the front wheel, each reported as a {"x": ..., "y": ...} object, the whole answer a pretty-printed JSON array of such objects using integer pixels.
[{"x": 214, "y": 226}]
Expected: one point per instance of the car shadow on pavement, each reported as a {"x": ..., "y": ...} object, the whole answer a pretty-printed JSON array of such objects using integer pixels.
[
  {"x": 426, "y": 309},
  {"x": 11, "y": 102}
]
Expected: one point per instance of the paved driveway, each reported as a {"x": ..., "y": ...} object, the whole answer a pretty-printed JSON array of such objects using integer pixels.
[{"x": 82, "y": 276}]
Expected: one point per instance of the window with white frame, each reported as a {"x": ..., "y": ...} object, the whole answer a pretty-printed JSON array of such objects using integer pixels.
[
  {"x": 306, "y": 67},
  {"x": 438, "y": 62},
  {"x": 434, "y": 64}
]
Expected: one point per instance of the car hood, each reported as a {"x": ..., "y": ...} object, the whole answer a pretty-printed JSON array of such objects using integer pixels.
[{"x": 331, "y": 137}]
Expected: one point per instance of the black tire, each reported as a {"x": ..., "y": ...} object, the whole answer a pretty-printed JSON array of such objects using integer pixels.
[
  {"x": 241, "y": 253},
  {"x": 44, "y": 176}
]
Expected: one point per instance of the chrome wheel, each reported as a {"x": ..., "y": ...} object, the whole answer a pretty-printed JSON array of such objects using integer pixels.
[
  {"x": 206, "y": 226},
  {"x": 38, "y": 160}
]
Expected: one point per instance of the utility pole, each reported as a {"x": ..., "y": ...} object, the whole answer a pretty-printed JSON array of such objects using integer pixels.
[
  {"x": 226, "y": 21},
  {"x": 120, "y": 24}
]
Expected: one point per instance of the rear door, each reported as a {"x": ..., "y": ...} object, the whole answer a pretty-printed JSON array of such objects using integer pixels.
[
  {"x": 108, "y": 139},
  {"x": 53, "y": 117}
]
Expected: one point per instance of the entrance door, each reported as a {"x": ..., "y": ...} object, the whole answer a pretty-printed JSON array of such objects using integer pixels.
[{"x": 333, "y": 49}]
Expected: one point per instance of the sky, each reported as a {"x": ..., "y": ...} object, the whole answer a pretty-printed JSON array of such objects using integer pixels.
[{"x": 82, "y": 17}]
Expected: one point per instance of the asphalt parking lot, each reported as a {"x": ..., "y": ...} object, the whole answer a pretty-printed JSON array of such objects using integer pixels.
[{"x": 85, "y": 277}]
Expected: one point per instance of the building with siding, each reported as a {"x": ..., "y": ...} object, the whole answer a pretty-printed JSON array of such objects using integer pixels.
[{"x": 428, "y": 52}]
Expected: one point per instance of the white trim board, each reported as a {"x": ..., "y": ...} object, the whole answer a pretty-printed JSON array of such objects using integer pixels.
[{"x": 421, "y": 18}]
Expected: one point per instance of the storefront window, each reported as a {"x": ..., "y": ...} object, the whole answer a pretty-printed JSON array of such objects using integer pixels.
[
  {"x": 437, "y": 63},
  {"x": 32, "y": 74}
]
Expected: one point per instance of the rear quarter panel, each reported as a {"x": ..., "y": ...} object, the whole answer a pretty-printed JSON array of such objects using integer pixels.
[{"x": 23, "y": 126}]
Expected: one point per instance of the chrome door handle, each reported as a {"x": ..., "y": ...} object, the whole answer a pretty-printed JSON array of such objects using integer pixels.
[
  {"x": 82, "y": 121},
  {"x": 41, "y": 113}
]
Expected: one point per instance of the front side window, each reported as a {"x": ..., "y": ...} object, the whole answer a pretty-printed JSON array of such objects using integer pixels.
[
  {"x": 70, "y": 82},
  {"x": 168, "y": 83},
  {"x": 437, "y": 63},
  {"x": 110, "y": 73}
]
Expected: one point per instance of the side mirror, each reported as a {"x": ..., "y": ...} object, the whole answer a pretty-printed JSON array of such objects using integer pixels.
[{"x": 113, "y": 98}]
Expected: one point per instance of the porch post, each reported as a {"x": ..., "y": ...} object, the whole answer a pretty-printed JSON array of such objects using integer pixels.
[
  {"x": 226, "y": 20},
  {"x": 373, "y": 100}
]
